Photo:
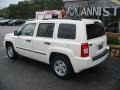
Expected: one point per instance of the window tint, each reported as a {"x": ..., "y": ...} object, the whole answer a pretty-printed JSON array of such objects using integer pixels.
[
  {"x": 67, "y": 31},
  {"x": 94, "y": 30},
  {"x": 28, "y": 30},
  {"x": 45, "y": 30}
]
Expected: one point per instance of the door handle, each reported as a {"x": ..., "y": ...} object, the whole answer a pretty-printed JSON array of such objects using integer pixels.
[
  {"x": 28, "y": 40},
  {"x": 48, "y": 43}
]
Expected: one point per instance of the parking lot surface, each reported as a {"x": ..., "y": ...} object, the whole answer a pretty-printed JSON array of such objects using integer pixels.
[{"x": 27, "y": 74}]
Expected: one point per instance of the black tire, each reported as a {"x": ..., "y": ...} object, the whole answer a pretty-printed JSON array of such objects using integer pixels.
[
  {"x": 13, "y": 24},
  {"x": 6, "y": 24},
  {"x": 68, "y": 72},
  {"x": 11, "y": 52}
]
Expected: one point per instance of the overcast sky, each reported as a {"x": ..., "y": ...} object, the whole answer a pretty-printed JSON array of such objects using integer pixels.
[{"x": 5, "y": 3}]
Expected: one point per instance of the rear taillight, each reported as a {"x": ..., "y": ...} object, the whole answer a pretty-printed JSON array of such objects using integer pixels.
[{"x": 84, "y": 50}]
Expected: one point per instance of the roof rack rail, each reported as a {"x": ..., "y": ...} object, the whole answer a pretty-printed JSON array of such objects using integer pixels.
[
  {"x": 45, "y": 19},
  {"x": 77, "y": 18}
]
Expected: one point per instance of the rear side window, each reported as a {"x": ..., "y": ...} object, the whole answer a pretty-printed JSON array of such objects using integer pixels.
[
  {"x": 67, "y": 31},
  {"x": 94, "y": 30},
  {"x": 45, "y": 30}
]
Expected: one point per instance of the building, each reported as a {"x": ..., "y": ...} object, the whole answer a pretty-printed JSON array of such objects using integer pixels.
[{"x": 106, "y": 10}]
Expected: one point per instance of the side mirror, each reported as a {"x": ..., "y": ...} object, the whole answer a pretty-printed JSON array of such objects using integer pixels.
[{"x": 16, "y": 33}]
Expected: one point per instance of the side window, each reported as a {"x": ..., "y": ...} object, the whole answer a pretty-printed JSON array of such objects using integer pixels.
[
  {"x": 28, "y": 30},
  {"x": 67, "y": 31},
  {"x": 45, "y": 30}
]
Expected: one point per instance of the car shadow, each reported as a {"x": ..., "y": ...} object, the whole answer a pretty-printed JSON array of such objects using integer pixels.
[
  {"x": 30, "y": 63},
  {"x": 97, "y": 74},
  {"x": 94, "y": 74}
]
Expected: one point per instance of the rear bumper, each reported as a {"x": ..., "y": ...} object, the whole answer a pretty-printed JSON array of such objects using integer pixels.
[
  {"x": 101, "y": 55},
  {"x": 80, "y": 64}
]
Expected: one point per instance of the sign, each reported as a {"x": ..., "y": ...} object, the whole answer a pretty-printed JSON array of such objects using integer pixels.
[
  {"x": 73, "y": 11},
  {"x": 47, "y": 14}
]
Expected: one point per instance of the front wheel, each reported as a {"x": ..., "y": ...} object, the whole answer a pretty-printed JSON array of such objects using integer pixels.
[
  {"x": 11, "y": 52},
  {"x": 61, "y": 66},
  {"x": 13, "y": 24}
]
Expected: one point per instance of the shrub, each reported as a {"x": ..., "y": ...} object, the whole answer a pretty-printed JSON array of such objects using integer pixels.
[{"x": 113, "y": 41}]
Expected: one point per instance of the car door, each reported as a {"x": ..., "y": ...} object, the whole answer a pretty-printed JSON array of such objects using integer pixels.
[
  {"x": 43, "y": 41},
  {"x": 96, "y": 38},
  {"x": 24, "y": 40}
]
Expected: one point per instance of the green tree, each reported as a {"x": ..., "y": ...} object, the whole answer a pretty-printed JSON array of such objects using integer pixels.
[{"x": 26, "y": 9}]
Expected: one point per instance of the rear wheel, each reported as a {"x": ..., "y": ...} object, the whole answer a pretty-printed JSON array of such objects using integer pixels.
[
  {"x": 13, "y": 24},
  {"x": 61, "y": 66},
  {"x": 11, "y": 52}
]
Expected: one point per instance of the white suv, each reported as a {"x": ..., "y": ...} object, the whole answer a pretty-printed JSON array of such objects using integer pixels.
[{"x": 66, "y": 45}]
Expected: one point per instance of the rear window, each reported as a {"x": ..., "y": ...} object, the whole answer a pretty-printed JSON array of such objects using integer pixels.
[{"x": 94, "y": 30}]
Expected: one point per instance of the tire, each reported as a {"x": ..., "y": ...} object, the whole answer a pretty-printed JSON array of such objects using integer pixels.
[
  {"x": 13, "y": 24},
  {"x": 6, "y": 24},
  {"x": 11, "y": 52},
  {"x": 61, "y": 67}
]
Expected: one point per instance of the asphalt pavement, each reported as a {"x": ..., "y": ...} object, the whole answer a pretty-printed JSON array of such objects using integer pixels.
[{"x": 28, "y": 74}]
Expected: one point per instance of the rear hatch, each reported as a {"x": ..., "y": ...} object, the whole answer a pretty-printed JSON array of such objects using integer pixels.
[{"x": 96, "y": 38}]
